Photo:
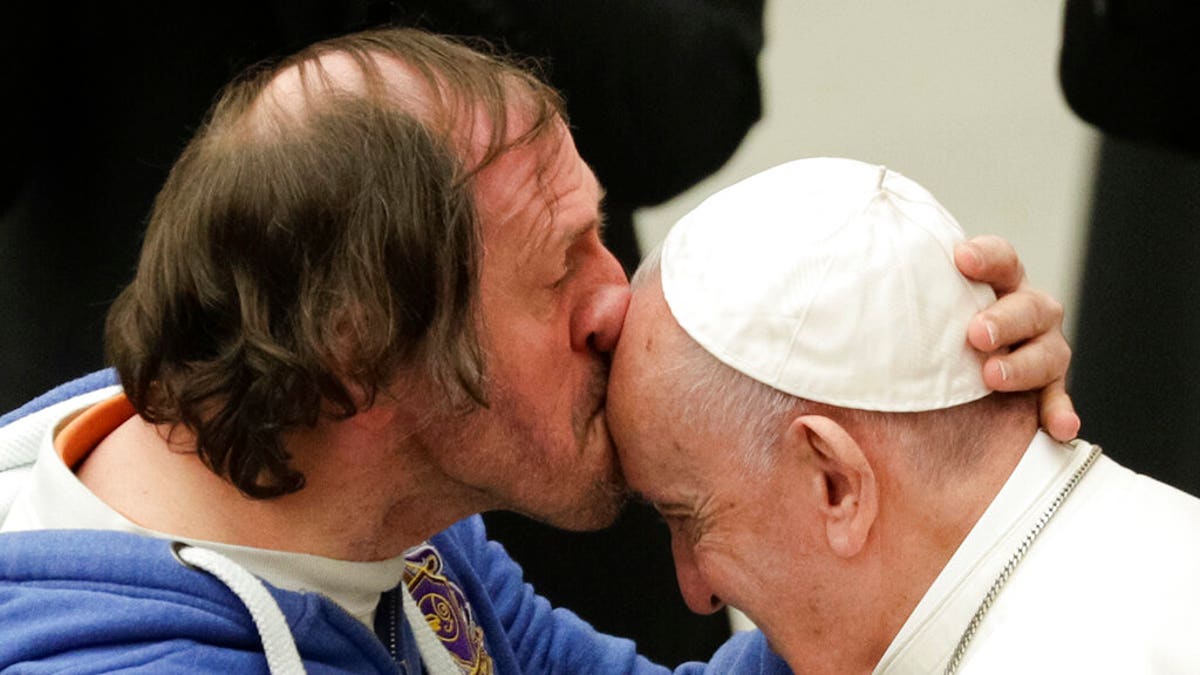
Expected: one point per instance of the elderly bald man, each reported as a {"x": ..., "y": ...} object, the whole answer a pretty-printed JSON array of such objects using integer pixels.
[{"x": 794, "y": 393}]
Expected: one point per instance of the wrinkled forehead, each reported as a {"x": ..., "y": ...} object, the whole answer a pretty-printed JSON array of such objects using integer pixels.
[
  {"x": 643, "y": 378},
  {"x": 646, "y": 394}
]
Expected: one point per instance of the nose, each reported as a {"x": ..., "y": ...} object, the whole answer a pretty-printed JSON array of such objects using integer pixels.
[
  {"x": 697, "y": 594},
  {"x": 596, "y": 322}
]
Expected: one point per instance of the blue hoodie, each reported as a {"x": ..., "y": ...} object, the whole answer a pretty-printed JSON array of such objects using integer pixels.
[{"x": 96, "y": 601}]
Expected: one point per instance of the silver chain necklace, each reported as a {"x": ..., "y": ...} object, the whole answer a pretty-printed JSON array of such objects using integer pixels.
[{"x": 1011, "y": 565}]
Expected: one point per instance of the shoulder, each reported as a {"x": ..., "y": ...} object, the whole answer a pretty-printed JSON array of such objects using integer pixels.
[
  {"x": 24, "y": 430},
  {"x": 1117, "y": 564},
  {"x": 90, "y": 384},
  {"x": 119, "y": 589},
  {"x": 468, "y": 532},
  {"x": 140, "y": 607}
]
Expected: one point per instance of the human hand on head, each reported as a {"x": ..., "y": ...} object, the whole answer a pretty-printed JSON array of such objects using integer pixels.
[{"x": 1027, "y": 321}]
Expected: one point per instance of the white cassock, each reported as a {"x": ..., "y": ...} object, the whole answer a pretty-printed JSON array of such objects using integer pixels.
[{"x": 1110, "y": 585}]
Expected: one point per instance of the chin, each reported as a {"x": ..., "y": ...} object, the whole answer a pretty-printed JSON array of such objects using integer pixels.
[
  {"x": 596, "y": 515},
  {"x": 601, "y": 496},
  {"x": 593, "y": 508}
]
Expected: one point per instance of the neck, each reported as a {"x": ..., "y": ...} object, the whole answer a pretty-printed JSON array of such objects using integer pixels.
[
  {"x": 364, "y": 499},
  {"x": 917, "y": 531}
]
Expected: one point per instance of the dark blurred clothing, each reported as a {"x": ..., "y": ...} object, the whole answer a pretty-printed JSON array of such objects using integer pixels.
[
  {"x": 106, "y": 95},
  {"x": 659, "y": 94},
  {"x": 1130, "y": 68},
  {"x": 1136, "y": 370}
]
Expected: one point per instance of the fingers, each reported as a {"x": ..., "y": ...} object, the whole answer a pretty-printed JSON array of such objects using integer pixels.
[
  {"x": 992, "y": 260},
  {"x": 1057, "y": 413},
  {"x": 1016, "y": 317},
  {"x": 1037, "y": 363},
  {"x": 1025, "y": 317},
  {"x": 1040, "y": 363}
]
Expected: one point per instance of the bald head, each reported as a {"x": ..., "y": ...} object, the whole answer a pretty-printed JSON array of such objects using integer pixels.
[
  {"x": 304, "y": 87},
  {"x": 478, "y": 105}
]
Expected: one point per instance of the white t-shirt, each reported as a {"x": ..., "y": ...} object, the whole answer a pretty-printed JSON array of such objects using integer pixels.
[{"x": 53, "y": 498}]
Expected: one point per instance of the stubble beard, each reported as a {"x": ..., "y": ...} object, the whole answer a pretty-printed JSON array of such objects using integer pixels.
[
  {"x": 602, "y": 500},
  {"x": 547, "y": 483}
]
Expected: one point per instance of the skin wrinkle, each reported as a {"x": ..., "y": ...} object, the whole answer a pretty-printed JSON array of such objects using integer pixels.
[{"x": 544, "y": 242}]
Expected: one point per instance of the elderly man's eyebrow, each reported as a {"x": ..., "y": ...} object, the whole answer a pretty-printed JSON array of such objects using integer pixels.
[
  {"x": 598, "y": 224},
  {"x": 556, "y": 239},
  {"x": 664, "y": 509}
]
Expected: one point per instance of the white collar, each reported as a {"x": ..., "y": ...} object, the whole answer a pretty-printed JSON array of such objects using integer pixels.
[
  {"x": 55, "y": 499},
  {"x": 929, "y": 636}
]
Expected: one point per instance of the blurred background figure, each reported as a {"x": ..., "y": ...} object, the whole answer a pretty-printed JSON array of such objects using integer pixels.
[
  {"x": 104, "y": 99},
  {"x": 1131, "y": 69},
  {"x": 659, "y": 94}
]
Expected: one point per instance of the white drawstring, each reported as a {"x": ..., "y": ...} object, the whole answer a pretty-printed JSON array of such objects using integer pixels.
[
  {"x": 278, "y": 644},
  {"x": 434, "y": 654}
]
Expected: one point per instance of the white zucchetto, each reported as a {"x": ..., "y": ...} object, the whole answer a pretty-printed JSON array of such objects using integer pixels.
[{"x": 831, "y": 280}]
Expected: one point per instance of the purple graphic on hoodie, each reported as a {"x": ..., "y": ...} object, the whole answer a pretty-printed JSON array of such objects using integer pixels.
[{"x": 446, "y": 609}]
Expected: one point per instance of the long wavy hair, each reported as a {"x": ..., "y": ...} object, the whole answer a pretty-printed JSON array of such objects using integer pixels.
[{"x": 295, "y": 260}]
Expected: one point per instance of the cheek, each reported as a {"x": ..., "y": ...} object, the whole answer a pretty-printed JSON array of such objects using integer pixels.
[
  {"x": 624, "y": 399},
  {"x": 538, "y": 388},
  {"x": 527, "y": 353}
]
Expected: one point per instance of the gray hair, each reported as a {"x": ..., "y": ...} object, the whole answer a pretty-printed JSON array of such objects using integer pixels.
[
  {"x": 719, "y": 397},
  {"x": 939, "y": 444}
]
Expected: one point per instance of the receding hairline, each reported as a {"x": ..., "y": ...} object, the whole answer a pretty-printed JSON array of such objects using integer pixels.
[
  {"x": 298, "y": 90},
  {"x": 480, "y": 104}
]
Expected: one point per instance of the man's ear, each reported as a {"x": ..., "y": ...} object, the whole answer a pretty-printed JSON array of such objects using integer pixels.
[{"x": 842, "y": 481}]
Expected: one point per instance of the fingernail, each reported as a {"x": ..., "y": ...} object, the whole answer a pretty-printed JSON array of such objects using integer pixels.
[
  {"x": 975, "y": 257},
  {"x": 991, "y": 331},
  {"x": 1004, "y": 371}
]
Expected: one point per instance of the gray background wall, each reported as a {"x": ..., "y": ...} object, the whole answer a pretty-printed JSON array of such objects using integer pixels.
[{"x": 962, "y": 97}]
